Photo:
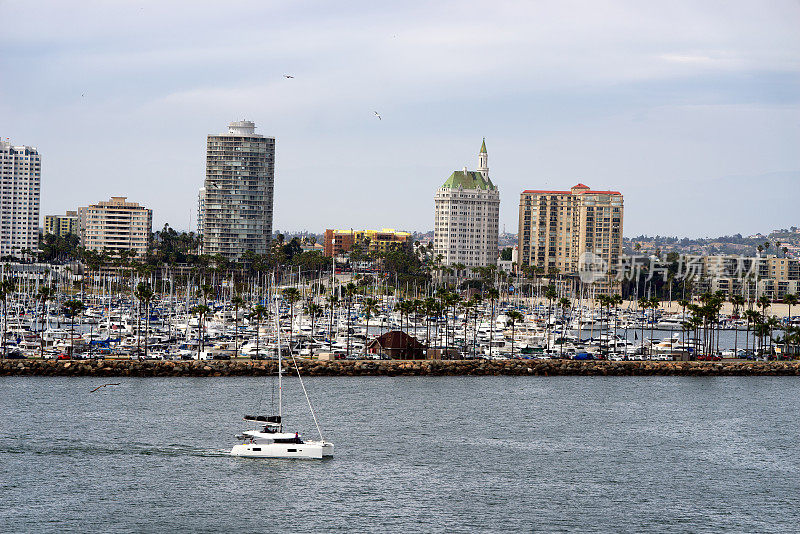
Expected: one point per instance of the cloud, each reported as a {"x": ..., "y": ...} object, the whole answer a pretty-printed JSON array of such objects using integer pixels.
[{"x": 615, "y": 95}]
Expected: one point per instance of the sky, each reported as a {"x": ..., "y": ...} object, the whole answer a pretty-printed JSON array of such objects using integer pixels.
[{"x": 690, "y": 109}]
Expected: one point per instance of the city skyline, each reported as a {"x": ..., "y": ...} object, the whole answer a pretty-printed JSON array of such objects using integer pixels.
[{"x": 671, "y": 108}]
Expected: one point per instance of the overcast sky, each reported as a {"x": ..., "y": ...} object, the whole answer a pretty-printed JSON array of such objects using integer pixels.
[{"x": 690, "y": 109}]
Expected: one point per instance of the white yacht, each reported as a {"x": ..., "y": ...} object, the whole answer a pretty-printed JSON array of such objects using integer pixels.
[
  {"x": 269, "y": 440},
  {"x": 272, "y": 442}
]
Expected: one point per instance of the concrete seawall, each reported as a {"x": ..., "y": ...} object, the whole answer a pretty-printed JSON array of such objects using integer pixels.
[{"x": 135, "y": 368}]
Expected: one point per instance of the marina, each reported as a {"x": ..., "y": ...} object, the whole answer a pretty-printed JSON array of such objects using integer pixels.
[{"x": 358, "y": 317}]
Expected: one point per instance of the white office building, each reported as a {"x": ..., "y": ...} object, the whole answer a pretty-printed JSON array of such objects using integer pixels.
[
  {"x": 20, "y": 179},
  {"x": 467, "y": 217}
]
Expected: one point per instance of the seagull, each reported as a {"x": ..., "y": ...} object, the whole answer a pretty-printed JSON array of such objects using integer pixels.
[
  {"x": 104, "y": 385},
  {"x": 379, "y": 117},
  {"x": 287, "y": 76}
]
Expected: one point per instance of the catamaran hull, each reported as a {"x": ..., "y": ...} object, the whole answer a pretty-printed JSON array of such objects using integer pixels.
[{"x": 305, "y": 451}]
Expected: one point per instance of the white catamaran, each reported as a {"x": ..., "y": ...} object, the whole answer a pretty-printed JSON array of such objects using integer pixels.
[{"x": 269, "y": 439}]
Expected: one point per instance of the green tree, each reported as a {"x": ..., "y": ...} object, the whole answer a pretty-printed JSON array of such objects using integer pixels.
[
  {"x": 333, "y": 302},
  {"x": 514, "y": 317},
  {"x": 44, "y": 294},
  {"x": 202, "y": 311},
  {"x": 72, "y": 308},
  {"x": 258, "y": 313},
  {"x": 144, "y": 294},
  {"x": 370, "y": 307},
  {"x": 291, "y": 295},
  {"x": 237, "y": 302},
  {"x": 493, "y": 295},
  {"x": 565, "y": 305},
  {"x": 350, "y": 291},
  {"x": 7, "y": 289}
]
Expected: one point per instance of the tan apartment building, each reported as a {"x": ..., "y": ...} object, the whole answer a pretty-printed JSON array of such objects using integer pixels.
[
  {"x": 115, "y": 225},
  {"x": 61, "y": 225},
  {"x": 751, "y": 277},
  {"x": 341, "y": 241},
  {"x": 557, "y": 227}
]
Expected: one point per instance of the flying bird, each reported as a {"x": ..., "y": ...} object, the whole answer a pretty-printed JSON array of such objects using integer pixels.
[
  {"x": 288, "y": 76},
  {"x": 379, "y": 117},
  {"x": 104, "y": 385}
]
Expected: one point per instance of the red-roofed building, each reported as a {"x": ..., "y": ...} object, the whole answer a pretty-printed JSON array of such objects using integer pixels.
[{"x": 556, "y": 228}]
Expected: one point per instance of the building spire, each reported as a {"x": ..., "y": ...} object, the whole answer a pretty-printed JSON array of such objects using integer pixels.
[{"x": 483, "y": 161}]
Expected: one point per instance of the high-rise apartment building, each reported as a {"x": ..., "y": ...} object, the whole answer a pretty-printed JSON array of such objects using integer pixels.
[
  {"x": 466, "y": 225},
  {"x": 557, "y": 227},
  {"x": 61, "y": 225},
  {"x": 115, "y": 225},
  {"x": 20, "y": 178},
  {"x": 236, "y": 204}
]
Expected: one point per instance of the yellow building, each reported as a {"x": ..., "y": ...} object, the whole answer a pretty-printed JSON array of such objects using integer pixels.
[
  {"x": 61, "y": 225},
  {"x": 341, "y": 241}
]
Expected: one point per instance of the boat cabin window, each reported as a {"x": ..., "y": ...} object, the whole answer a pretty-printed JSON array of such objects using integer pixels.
[
  {"x": 257, "y": 449},
  {"x": 291, "y": 450}
]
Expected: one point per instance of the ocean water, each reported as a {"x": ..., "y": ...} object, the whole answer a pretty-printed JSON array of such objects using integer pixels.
[{"x": 426, "y": 454}]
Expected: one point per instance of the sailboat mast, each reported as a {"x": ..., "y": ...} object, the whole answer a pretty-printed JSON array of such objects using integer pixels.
[{"x": 280, "y": 367}]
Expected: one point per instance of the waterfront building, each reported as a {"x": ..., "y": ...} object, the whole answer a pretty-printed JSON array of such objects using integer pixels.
[
  {"x": 20, "y": 179},
  {"x": 61, "y": 225},
  {"x": 557, "y": 228},
  {"x": 467, "y": 215},
  {"x": 236, "y": 201},
  {"x": 338, "y": 242},
  {"x": 115, "y": 225},
  {"x": 750, "y": 277}
]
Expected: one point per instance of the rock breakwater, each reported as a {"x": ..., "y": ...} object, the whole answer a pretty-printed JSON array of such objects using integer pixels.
[{"x": 111, "y": 368}]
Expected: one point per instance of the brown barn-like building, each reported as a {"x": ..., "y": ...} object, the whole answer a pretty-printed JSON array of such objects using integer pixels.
[{"x": 398, "y": 346}]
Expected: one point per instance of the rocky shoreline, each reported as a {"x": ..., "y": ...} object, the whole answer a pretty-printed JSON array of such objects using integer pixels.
[{"x": 113, "y": 368}]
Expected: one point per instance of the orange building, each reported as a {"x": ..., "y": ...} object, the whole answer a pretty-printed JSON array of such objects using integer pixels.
[{"x": 341, "y": 241}]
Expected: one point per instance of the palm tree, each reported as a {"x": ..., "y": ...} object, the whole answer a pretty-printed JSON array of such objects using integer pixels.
[
  {"x": 333, "y": 301},
  {"x": 493, "y": 295},
  {"x": 751, "y": 316},
  {"x": 466, "y": 306},
  {"x": 616, "y": 301},
  {"x": 313, "y": 310},
  {"x": 45, "y": 294},
  {"x": 7, "y": 288},
  {"x": 370, "y": 306},
  {"x": 349, "y": 292},
  {"x": 258, "y": 313},
  {"x": 644, "y": 303},
  {"x": 565, "y": 304},
  {"x": 201, "y": 310},
  {"x": 738, "y": 302},
  {"x": 550, "y": 294},
  {"x": 790, "y": 299},
  {"x": 291, "y": 295},
  {"x": 683, "y": 303},
  {"x": 604, "y": 301},
  {"x": 475, "y": 304},
  {"x": 237, "y": 302},
  {"x": 655, "y": 302},
  {"x": 513, "y": 318},
  {"x": 144, "y": 293},
  {"x": 72, "y": 308}
]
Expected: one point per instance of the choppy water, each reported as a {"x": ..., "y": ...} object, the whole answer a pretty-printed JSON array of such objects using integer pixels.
[{"x": 430, "y": 454}]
